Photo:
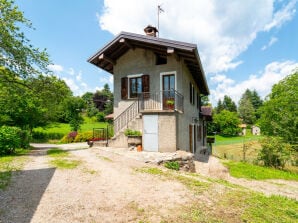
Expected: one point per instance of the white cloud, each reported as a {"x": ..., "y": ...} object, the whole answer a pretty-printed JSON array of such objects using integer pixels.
[
  {"x": 79, "y": 76},
  {"x": 262, "y": 83},
  {"x": 222, "y": 29},
  {"x": 282, "y": 16},
  {"x": 71, "y": 84},
  {"x": 71, "y": 71},
  {"x": 271, "y": 42},
  {"x": 55, "y": 68}
]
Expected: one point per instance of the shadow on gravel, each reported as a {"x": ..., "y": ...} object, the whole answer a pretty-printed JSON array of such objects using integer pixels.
[{"x": 22, "y": 196}]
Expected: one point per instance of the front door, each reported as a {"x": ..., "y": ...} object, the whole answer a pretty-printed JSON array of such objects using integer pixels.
[
  {"x": 150, "y": 133},
  {"x": 168, "y": 87}
]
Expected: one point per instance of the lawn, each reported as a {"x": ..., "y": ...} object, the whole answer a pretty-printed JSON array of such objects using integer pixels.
[{"x": 250, "y": 171}]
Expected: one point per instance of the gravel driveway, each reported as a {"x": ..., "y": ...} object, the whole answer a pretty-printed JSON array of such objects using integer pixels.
[{"x": 104, "y": 188}]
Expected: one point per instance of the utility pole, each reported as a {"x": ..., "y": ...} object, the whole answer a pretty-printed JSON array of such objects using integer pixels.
[{"x": 159, "y": 10}]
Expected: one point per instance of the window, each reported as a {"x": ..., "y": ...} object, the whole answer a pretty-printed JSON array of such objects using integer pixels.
[
  {"x": 191, "y": 94},
  {"x": 135, "y": 86},
  {"x": 160, "y": 59}
]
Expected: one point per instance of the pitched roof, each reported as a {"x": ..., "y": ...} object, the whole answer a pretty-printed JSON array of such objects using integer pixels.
[{"x": 107, "y": 56}]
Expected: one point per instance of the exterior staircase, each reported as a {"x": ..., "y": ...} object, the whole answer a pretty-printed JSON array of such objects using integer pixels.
[{"x": 128, "y": 119}]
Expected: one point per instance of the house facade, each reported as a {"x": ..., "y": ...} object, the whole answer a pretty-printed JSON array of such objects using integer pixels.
[{"x": 157, "y": 88}]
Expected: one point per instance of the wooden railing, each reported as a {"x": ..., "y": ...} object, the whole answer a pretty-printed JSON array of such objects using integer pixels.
[{"x": 125, "y": 117}]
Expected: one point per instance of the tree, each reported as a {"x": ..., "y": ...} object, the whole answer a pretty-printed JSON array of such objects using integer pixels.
[
  {"x": 103, "y": 100},
  {"x": 227, "y": 122},
  {"x": 205, "y": 100},
  {"x": 229, "y": 104},
  {"x": 219, "y": 107},
  {"x": 279, "y": 113},
  {"x": 34, "y": 103},
  {"x": 246, "y": 110},
  {"x": 18, "y": 58},
  {"x": 73, "y": 108}
]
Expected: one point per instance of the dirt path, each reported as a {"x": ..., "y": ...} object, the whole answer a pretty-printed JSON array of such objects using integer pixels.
[{"x": 104, "y": 188}]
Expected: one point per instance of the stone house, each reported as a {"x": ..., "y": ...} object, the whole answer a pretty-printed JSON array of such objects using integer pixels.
[{"x": 157, "y": 88}]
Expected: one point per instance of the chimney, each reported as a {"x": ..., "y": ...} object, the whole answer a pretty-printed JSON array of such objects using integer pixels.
[{"x": 150, "y": 31}]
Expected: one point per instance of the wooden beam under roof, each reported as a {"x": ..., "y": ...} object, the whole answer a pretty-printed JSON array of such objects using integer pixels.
[
  {"x": 105, "y": 58},
  {"x": 124, "y": 41}
]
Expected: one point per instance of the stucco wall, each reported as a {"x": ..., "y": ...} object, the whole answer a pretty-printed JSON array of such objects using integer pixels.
[
  {"x": 190, "y": 110},
  {"x": 167, "y": 132},
  {"x": 138, "y": 61}
]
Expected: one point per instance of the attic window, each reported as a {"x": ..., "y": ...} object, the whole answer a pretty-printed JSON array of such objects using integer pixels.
[{"x": 160, "y": 59}]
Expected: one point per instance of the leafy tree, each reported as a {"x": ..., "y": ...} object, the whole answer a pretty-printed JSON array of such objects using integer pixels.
[
  {"x": 246, "y": 110},
  {"x": 205, "y": 100},
  {"x": 279, "y": 113},
  {"x": 18, "y": 58},
  {"x": 34, "y": 103},
  {"x": 73, "y": 109},
  {"x": 227, "y": 122}
]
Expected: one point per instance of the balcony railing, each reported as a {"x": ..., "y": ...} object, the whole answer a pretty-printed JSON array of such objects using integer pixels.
[{"x": 170, "y": 100}]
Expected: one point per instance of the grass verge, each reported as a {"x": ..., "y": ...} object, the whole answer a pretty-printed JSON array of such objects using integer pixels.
[
  {"x": 61, "y": 159},
  {"x": 250, "y": 171},
  {"x": 10, "y": 163},
  {"x": 225, "y": 202}
]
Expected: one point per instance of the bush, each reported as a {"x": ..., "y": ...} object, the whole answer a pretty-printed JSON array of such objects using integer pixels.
[
  {"x": 100, "y": 116},
  {"x": 274, "y": 152},
  {"x": 83, "y": 137},
  {"x": 174, "y": 165},
  {"x": 130, "y": 132},
  {"x": 10, "y": 139},
  {"x": 69, "y": 138}
]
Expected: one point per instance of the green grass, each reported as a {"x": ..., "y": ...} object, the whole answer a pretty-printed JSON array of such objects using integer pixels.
[
  {"x": 10, "y": 163},
  {"x": 65, "y": 163},
  {"x": 250, "y": 171},
  {"x": 57, "y": 153},
  {"x": 223, "y": 140},
  {"x": 64, "y": 128},
  {"x": 61, "y": 159}
]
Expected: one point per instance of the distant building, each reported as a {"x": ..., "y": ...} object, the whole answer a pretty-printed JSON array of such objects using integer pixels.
[
  {"x": 255, "y": 130},
  {"x": 243, "y": 127}
]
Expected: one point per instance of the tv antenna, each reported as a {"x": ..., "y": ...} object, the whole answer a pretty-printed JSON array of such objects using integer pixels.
[{"x": 159, "y": 10}]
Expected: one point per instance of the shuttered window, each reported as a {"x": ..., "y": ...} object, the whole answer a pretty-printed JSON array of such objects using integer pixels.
[
  {"x": 132, "y": 87},
  {"x": 124, "y": 90}
]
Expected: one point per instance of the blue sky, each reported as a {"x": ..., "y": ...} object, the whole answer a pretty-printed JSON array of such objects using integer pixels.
[{"x": 243, "y": 44}]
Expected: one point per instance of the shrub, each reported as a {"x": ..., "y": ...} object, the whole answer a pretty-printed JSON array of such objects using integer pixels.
[
  {"x": 69, "y": 138},
  {"x": 130, "y": 132},
  {"x": 100, "y": 116},
  {"x": 174, "y": 165},
  {"x": 274, "y": 152},
  {"x": 83, "y": 137},
  {"x": 10, "y": 139}
]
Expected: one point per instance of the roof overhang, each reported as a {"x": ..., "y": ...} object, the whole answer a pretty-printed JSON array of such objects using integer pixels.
[{"x": 107, "y": 57}]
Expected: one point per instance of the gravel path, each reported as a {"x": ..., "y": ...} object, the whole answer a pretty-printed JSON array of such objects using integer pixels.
[{"x": 104, "y": 188}]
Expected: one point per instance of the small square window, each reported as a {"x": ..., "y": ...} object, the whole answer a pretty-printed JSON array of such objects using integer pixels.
[{"x": 160, "y": 59}]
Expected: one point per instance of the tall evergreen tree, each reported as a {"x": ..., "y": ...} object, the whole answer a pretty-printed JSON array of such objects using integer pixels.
[
  {"x": 229, "y": 104},
  {"x": 246, "y": 110}
]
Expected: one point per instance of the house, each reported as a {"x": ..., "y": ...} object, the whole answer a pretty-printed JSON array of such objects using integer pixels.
[
  {"x": 255, "y": 130},
  {"x": 243, "y": 129},
  {"x": 157, "y": 87}
]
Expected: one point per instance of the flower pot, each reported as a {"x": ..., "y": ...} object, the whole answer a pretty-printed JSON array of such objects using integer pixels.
[
  {"x": 134, "y": 140},
  {"x": 139, "y": 148}
]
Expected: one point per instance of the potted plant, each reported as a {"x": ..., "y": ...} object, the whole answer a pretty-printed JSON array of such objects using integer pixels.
[
  {"x": 170, "y": 104},
  {"x": 134, "y": 137}
]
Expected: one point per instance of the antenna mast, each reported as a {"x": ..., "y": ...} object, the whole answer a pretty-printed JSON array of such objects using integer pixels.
[{"x": 159, "y": 10}]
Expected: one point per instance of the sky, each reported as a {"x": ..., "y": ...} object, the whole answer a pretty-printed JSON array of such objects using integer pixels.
[{"x": 249, "y": 44}]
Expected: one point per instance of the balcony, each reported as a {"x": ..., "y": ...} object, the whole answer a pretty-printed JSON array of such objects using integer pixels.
[{"x": 162, "y": 101}]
